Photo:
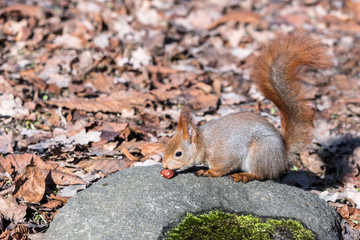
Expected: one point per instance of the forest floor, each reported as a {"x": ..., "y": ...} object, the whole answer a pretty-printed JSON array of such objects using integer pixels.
[{"x": 88, "y": 88}]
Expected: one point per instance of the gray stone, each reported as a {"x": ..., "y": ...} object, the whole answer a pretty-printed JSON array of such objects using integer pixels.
[{"x": 137, "y": 203}]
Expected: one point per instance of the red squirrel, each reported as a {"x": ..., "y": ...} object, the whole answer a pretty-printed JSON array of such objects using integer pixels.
[{"x": 246, "y": 145}]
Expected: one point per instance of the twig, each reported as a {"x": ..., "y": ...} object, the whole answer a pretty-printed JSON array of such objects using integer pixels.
[{"x": 129, "y": 155}]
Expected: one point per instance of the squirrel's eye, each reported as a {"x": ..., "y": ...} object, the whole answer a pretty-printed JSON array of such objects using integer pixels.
[{"x": 178, "y": 154}]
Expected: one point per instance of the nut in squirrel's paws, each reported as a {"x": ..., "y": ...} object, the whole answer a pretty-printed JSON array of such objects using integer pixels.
[{"x": 244, "y": 177}]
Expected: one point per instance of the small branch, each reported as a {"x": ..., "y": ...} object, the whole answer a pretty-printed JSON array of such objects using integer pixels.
[{"x": 129, "y": 155}]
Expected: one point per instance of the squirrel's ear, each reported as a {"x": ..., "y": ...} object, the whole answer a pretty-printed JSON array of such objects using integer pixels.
[{"x": 186, "y": 124}]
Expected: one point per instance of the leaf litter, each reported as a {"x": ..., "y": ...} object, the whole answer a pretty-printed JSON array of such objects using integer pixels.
[{"x": 89, "y": 88}]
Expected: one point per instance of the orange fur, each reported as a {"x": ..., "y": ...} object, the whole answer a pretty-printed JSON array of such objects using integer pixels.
[{"x": 275, "y": 74}]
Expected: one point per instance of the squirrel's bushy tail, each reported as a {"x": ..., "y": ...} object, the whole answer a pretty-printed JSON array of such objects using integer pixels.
[{"x": 275, "y": 75}]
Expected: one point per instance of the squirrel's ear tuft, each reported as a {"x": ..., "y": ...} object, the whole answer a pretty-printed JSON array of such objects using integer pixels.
[
  {"x": 186, "y": 124},
  {"x": 180, "y": 123}
]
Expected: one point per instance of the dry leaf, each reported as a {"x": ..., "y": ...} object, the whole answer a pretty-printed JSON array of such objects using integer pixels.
[
  {"x": 20, "y": 232},
  {"x": 70, "y": 191},
  {"x": 62, "y": 199},
  {"x": 55, "y": 119},
  {"x": 12, "y": 106},
  {"x": 114, "y": 127},
  {"x": 15, "y": 163},
  {"x": 204, "y": 102},
  {"x": 25, "y": 10},
  {"x": 5, "y": 235},
  {"x": 239, "y": 16},
  {"x": 344, "y": 212},
  {"x": 29, "y": 76},
  {"x": 6, "y": 143},
  {"x": 81, "y": 138},
  {"x": 68, "y": 41},
  {"x": 354, "y": 6},
  {"x": 106, "y": 165},
  {"x": 161, "y": 69},
  {"x": 61, "y": 178},
  {"x": 151, "y": 148},
  {"x": 12, "y": 210},
  {"x": 354, "y": 218},
  {"x": 116, "y": 102},
  {"x": 31, "y": 185},
  {"x": 53, "y": 204},
  {"x": 59, "y": 175},
  {"x": 101, "y": 82}
]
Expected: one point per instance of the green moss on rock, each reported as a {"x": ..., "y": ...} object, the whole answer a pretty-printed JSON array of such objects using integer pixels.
[{"x": 221, "y": 225}]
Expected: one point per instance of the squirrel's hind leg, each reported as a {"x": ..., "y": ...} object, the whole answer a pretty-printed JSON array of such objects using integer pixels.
[{"x": 244, "y": 177}]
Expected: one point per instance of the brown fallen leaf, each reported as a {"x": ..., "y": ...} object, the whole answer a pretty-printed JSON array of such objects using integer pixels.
[
  {"x": 116, "y": 102},
  {"x": 20, "y": 232},
  {"x": 344, "y": 212},
  {"x": 106, "y": 165},
  {"x": 61, "y": 178},
  {"x": 11, "y": 209},
  {"x": 239, "y": 16},
  {"x": 62, "y": 199},
  {"x": 55, "y": 119},
  {"x": 29, "y": 76},
  {"x": 11, "y": 105},
  {"x": 114, "y": 127},
  {"x": 313, "y": 162},
  {"x": 53, "y": 204},
  {"x": 171, "y": 95},
  {"x": 15, "y": 165},
  {"x": 2, "y": 170},
  {"x": 203, "y": 102},
  {"x": 50, "y": 166},
  {"x": 108, "y": 133},
  {"x": 70, "y": 191},
  {"x": 354, "y": 218},
  {"x": 18, "y": 162},
  {"x": 294, "y": 18},
  {"x": 161, "y": 69},
  {"x": 350, "y": 100},
  {"x": 59, "y": 175},
  {"x": 101, "y": 82},
  {"x": 31, "y": 185},
  {"x": 6, "y": 143},
  {"x": 5, "y": 235},
  {"x": 151, "y": 148},
  {"x": 354, "y": 7},
  {"x": 25, "y": 10}
]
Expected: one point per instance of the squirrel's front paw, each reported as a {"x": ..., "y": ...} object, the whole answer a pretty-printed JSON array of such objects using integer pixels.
[
  {"x": 210, "y": 173},
  {"x": 202, "y": 172}
]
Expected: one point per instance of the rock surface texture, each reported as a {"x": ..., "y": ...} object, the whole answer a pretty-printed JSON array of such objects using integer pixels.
[{"x": 138, "y": 203}]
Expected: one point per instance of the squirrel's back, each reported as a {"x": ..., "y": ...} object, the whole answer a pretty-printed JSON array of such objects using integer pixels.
[{"x": 233, "y": 135}]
